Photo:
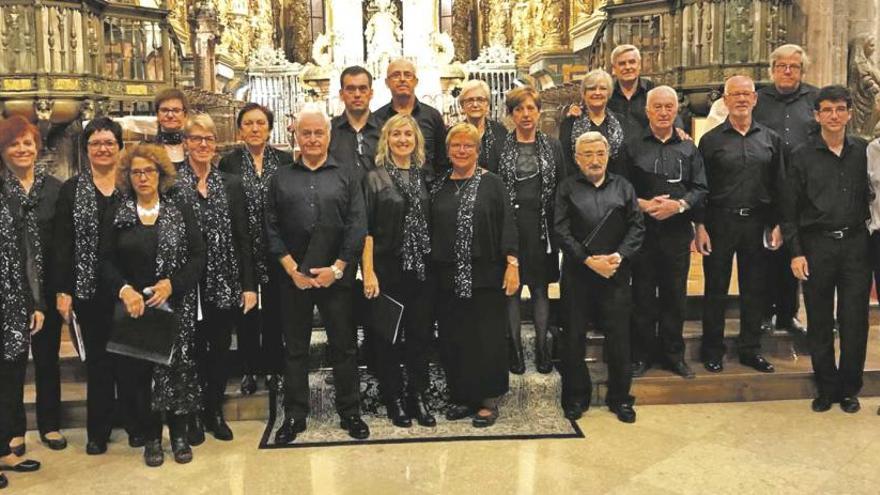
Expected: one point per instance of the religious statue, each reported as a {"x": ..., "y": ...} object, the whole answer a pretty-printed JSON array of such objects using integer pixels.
[
  {"x": 536, "y": 19},
  {"x": 864, "y": 83},
  {"x": 521, "y": 22},
  {"x": 498, "y": 22},
  {"x": 551, "y": 23},
  {"x": 461, "y": 29},
  {"x": 383, "y": 33}
]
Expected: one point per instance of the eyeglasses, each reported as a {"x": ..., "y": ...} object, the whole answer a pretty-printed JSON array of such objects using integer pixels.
[
  {"x": 146, "y": 173},
  {"x": 406, "y": 76},
  {"x": 356, "y": 89},
  {"x": 833, "y": 110},
  {"x": 787, "y": 67},
  {"x": 171, "y": 111},
  {"x": 740, "y": 94},
  {"x": 590, "y": 155},
  {"x": 95, "y": 145},
  {"x": 202, "y": 139},
  {"x": 479, "y": 100},
  {"x": 463, "y": 146}
]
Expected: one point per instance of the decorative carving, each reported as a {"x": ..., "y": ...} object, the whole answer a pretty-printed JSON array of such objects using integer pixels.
[
  {"x": 521, "y": 21},
  {"x": 443, "y": 47},
  {"x": 552, "y": 22},
  {"x": 322, "y": 50},
  {"x": 461, "y": 28},
  {"x": 499, "y": 23},
  {"x": 207, "y": 30},
  {"x": 383, "y": 33},
  {"x": 43, "y": 108},
  {"x": 486, "y": 20},
  {"x": 298, "y": 22},
  {"x": 864, "y": 83},
  {"x": 87, "y": 109}
]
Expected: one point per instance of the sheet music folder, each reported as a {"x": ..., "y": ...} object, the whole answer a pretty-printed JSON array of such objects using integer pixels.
[
  {"x": 150, "y": 337},
  {"x": 607, "y": 235},
  {"x": 387, "y": 315}
]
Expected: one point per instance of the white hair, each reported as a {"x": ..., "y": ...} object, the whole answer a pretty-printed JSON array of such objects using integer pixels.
[
  {"x": 592, "y": 137},
  {"x": 621, "y": 49},
  {"x": 474, "y": 85},
  {"x": 659, "y": 91},
  {"x": 596, "y": 76},
  {"x": 313, "y": 109},
  {"x": 738, "y": 76},
  {"x": 787, "y": 51}
]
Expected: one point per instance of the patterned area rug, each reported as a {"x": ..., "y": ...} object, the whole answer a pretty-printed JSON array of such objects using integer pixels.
[{"x": 529, "y": 411}]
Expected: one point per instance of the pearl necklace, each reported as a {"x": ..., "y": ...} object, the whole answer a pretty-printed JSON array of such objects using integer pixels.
[{"x": 148, "y": 212}]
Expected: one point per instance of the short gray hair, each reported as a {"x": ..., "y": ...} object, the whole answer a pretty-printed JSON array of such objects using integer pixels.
[
  {"x": 474, "y": 85},
  {"x": 312, "y": 108},
  {"x": 787, "y": 51},
  {"x": 402, "y": 60},
  {"x": 621, "y": 49},
  {"x": 595, "y": 76},
  {"x": 738, "y": 76},
  {"x": 661, "y": 90},
  {"x": 592, "y": 137}
]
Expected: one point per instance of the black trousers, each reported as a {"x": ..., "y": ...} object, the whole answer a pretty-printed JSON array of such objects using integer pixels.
[
  {"x": 782, "y": 287},
  {"x": 259, "y": 331},
  {"x": 743, "y": 236},
  {"x": 11, "y": 396},
  {"x": 213, "y": 338},
  {"x": 47, "y": 373},
  {"x": 418, "y": 329},
  {"x": 609, "y": 302},
  {"x": 136, "y": 378},
  {"x": 659, "y": 273},
  {"x": 842, "y": 266},
  {"x": 334, "y": 304},
  {"x": 874, "y": 257}
]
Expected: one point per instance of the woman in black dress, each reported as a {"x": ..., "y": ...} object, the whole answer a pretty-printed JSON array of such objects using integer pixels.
[
  {"x": 36, "y": 192},
  {"x": 150, "y": 244},
  {"x": 82, "y": 203},
  {"x": 473, "y": 249},
  {"x": 475, "y": 102},
  {"x": 259, "y": 331},
  {"x": 531, "y": 166},
  {"x": 21, "y": 307},
  {"x": 217, "y": 198},
  {"x": 394, "y": 263}
]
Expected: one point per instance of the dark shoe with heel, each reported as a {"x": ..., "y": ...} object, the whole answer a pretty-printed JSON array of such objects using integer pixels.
[
  {"x": 356, "y": 427},
  {"x": 639, "y": 368},
  {"x": 25, "y": 466},
  {"x": 136, "y": 441},
  {"x": 397, "y": 413},
  {"x": 821, "y": 404},
  {"x": 574, "y": 412},
  {"x": 682, "y": 369},
  {"x": 289, "y": 430},
  {"x": 624, "y": 412},
  {"x": 216, "y": 424},
  {"x": 850, "y": 405},
  {"x": 96, "y": 447},
  {"x": 417, "y": 408},
  {"x": 456, "y": 412},
  {"x": 195, "y": 430},
  {"x": 19, "y": 450},
  {"x": 758, "y": 363},
  {"x": 153, "y": 455},
  {"x": 181, "y": 449},
  {"x": 248, "y": 384},
  {"x": 54, "y": 443},
  {"x": 485, "y": 420},
  {"x": 713, "y": 366}
]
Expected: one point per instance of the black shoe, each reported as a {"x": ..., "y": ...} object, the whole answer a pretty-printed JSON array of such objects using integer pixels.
[
  {"x": 624, "y": 412},
  {"x": 57, "y": 444},
  {"x": 248, "y": 384},
  {"x": 767, "y": 325},
  {"x": 417, "y": 407},
  {"x": 481, "y": 421},
  {"x": 153, "y": 455},
  {"x": 25, "y": 466},
  {"x": 757, "y": 362},
  {"x": 459, "y": 411},
  {"x": 289, "y": 430},
  {"x": 136, "y": 441},
  {"x": 3, "y": 481},
  {"x": 215, "y": 424},
  {"x": 639, "y": 368},
  {"x": 19, "y": 451},
  {"x": 713, "y": 366},
  {"x": 195, "y": 430},
  {"x": 682, "y": 369},
  {"x": 397, "y": 413},
  {"x": 573, "y": 411},
  {"x": 356, "y": 427},
  {"x": 181, "y": 449},
  {"x": 821, "y": 404},
  {"x": 95, "y": 447},
  {"x": 517, "y": 361},
  {"x": 543, "y": 360},
  {"x": 850, "y": 405},
  {"x": 793, "y": 326},
  {"x": 276, "y": 382}
]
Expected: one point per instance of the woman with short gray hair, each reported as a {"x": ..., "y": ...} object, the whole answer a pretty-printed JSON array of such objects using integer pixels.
[{"x": 475, "y": 100}]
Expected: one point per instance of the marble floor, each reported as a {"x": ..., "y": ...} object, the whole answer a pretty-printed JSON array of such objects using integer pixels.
[{"x": 737, "y": 448}]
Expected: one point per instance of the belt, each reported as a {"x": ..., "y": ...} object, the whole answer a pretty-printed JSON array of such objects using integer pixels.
[
  {"x": 740, "y": 212},
  {"x": 838, "y": 234}
]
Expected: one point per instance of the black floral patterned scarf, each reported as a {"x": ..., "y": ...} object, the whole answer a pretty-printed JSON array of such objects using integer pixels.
[
  {"x": 222, "y": 284},
  {"x": 85, "y": 235},
  {"x": 464, "y": 231},
  {"x": 29, "y": 200},
  {"x": 14, "y": 333},
  {"x": 416, "y": 241},
  {"x": 610, "y": 128},
  {"x": 487, "y": 144},
  {"x": 169, "y": 137},
  {"x": 546, "y": 167},
  {"x": 255, "y": 187}
]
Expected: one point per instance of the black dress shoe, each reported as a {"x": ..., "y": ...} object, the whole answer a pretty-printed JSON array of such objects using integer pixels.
[
  {"x": 19, "y": 451},
  {"x": 215, "y": 424},
  {"x": 682, "y": 369},
  {"x": 517, "y": 362},
  {"x": 56, "y": 444},
  {"x": 459, "y": 411},
  {"x": 850, "y": 405},
  {"x": 181, "y": 449},
  {"x": 417, "y": 407},
  {"x": 356, "y": 427},
  {"x": 153, "y": 455},
  {"x": 276, "y": 382},
  {"x": 624, "y": 412},
  {"x": 3, "y": 481},
  {"x": 573, "y": 411},
  {"x": 767, "y": 325},
  {"x": 136, "y": 441},
  {"x": 397, "y": 413},
  {"x": 195, "y": 430},
  {"x": 95, "y": 447},
  {"x": 289, "y": 430},
  {"x": 757, "y": 362},
  {"x": 821, "y": 404},
  {"x": 25, "y": 466},
  {"x": 639, "y": 368},
  {"x": 713, "y": 366},
  {"x": 248, "y": 384},
  {"x": 485, "y": 421}
]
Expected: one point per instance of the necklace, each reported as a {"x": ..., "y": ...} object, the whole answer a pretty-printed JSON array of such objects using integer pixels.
[{"x": 148, "y": 212}]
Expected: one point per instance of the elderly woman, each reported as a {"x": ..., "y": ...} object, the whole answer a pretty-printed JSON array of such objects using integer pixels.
[
  {"x": 599, "y": 227},
  {"x": 593, "y": 115},
  {"x": 531, "y": 166},
  {"x": 152, "y": 253},
  {"x": 22, "y": 305},
  {"x": 36, "y": 192},
  {"x": 474, "y": 100},
  {"x": 218, "y": 200},
  {"x": 473, "y": 249},
  {"x": 395, "y": 263},
  {"x": 259, "y": 331},
  {"x": 82, "y": 203}
]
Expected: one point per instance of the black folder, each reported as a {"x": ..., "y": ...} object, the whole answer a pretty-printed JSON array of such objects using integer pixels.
[
  {"x": 387, "y": 315},
  {"x": 323, "y": 249},
  {"x": 150, "y": 337},
  {"x": 606, "y": 237},
  {"x": 76, "y": 336}
]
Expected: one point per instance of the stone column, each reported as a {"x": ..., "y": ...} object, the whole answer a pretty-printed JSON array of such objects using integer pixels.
[{"x": 206, "y": 28}]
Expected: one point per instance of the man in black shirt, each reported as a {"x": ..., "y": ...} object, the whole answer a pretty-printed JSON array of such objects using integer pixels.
[
  {"x": 668, "y": 176},
  {"x": 825, "y": 207},
  {"x": 743, "y": 161},
  {"x": 315, "y": 225},
  {"x": 401, "y": 79},
  {"x": 786, "y": 106},
  {"x": 599, "y": 227},
  {"x": 355, "y": 133}
]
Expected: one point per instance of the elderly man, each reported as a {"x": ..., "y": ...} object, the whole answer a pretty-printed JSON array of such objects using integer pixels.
[
  {"x": 599, "y": 227},
  {"x": 786, "y": 106},
  {"x": 316, "y": 224},
  {"x": 744, "y": 163},
  {"x": 401, "y": 79},
  {"x": 668, "y": 176},
  {"x": 355, "y": 133},
  {"x": 826, "y": 204}
]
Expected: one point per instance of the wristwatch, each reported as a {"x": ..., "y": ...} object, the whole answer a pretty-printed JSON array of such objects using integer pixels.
[
  {"x": 337, "y": 273},
  {"x": 682, "y": 206}
]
